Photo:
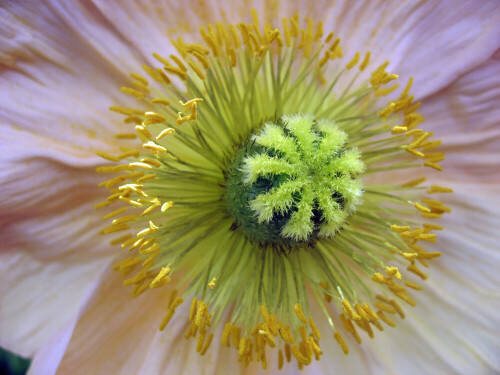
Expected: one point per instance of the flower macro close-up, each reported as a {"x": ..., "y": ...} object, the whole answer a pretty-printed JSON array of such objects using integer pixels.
[{"x": 205, "y": 187}]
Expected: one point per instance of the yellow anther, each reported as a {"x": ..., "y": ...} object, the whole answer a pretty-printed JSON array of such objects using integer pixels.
[
  {"x": 433, "y": 165},
  {"x": 370, "y": 312},
  {"x": 329, "y": 37},
  {"x": 388, "y": 110},
  {"x": 152, "y": 229},
  {"x": 319, "y": 31},
  {"x": 272, "y": 36},
  {"x": 264, "y": 313},
  {"x": 126, "y": 111},
  {"x": 201, "y": 58},
  {"x": 150, "y": 259},
  {"x": 413, "y": 108},
  {"x": 143, "y": 132},
  {"x": 431, "y": 215},
  {"x": 149, "y": 250},
  {"x": 153, "y": 118},
  {"x": 385, "y": 319},
  {"x": 421, "y": 208},
  {"x": 400, "y": 229},
  {"x": 413, "y": 151},
  {"x": 433, "y": 226},
  {"x": 107, "y": 156},
  {"x": 386, "y": 308},
  {"x": 300, "y": 314},
  {"x": 334, "y": 45},
  {"x": 365, "y": 62},
  {"x": 155, "y": 148},
  {"x": 414, "y": 182},
  {"x": 139, "y": 78},
  {"x": 413, "y": 268},
  {"x": 160, "y": 58},
  {"x": 225, "y": 335},
  {"x": 176, "y": 71},
  {"x": 128, "y": 154},
  {"x": 150, "y": 208},
  {"x": 280, "y": 359},
  {"x": 235, "y": 336},
  {"x": 179, "y": 63},
  {"x": 234, "y": 36},
  {"x": 152, "y": 73},
  {"x": 410, "y": 256},
  {"x": 124, "y": 219},
  {"x": 431, "y": 145},
  {"x": 409, "y": 284},
  {"x": 386, "y": 90},
  {"x": 207, "y": 344},
  {"x": 351, "y": 64},
  {"x": 146, "y": 177},
  {"x": 253, "y": 42},
  {"x": 198, "y": 48},
  {"x": 412, "y": 234},
  {"x": 439, "y": 189},
  {"x": 286, "y": 32},
  {"x": 165, "y": 206},
  {"x": 128, "y": 242},
  {"x": 141, "y": 165},
  {"x": 294, "y": 27},
  {"x": 164, "y": 78},
  {"x": 298, "y": 355},
  {"x": 211, "y": 284},
  {"x": 119, "y": 240},
  {"x": 340, "y": 340},
  {"x": 114, "y": 213},
  {"x": 161, "y": 279},
  {"x": 192, "y": 310},
  {"x": 114, "y": 228},
  {"x": 398, "y": 129},
  {"x": 379, "y": 278},
  {"x": 314, "y": 328},
  {"x": 431, "y": 237},
  {"x": 133, "y": 92},
  {"x": 127, "y": 263},
  {"x": 349, "y": 310},
  {"x": 393, "y": 272},
  {"x": 201, "y": 313},
  {"x": 197, "y": 70},
  {"x": 125, "y": 136},
  {"x": 430, "y": 255},
  {"x": 435, "y": 156},
  {"x": 165, "y": 132}
]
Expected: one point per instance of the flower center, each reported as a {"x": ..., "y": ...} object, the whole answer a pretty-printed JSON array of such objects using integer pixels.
[
  {"x": 294, "y": 182},
  {"x": 202, "y": 194}
]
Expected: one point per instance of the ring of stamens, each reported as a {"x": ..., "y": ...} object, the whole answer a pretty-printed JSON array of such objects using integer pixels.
[{"x": 168, "y": 193}]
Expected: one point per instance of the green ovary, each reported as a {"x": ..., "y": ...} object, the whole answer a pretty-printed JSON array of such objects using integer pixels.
[{"x": 294, "y": 182}]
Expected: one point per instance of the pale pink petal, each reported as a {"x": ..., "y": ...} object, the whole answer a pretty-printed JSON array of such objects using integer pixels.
[
  {"x": 55, "y": 84},
  {"x": 47, "y": 262},
  {"x": 116, "y": 334},
  {"x": 455, "y": 326},
  {"x": 466, "y": 115},
  {"x": 432, "y": 41}
]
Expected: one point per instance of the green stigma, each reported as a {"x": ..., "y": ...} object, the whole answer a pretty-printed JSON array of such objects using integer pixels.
[{"x": 294, "y": 182}]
